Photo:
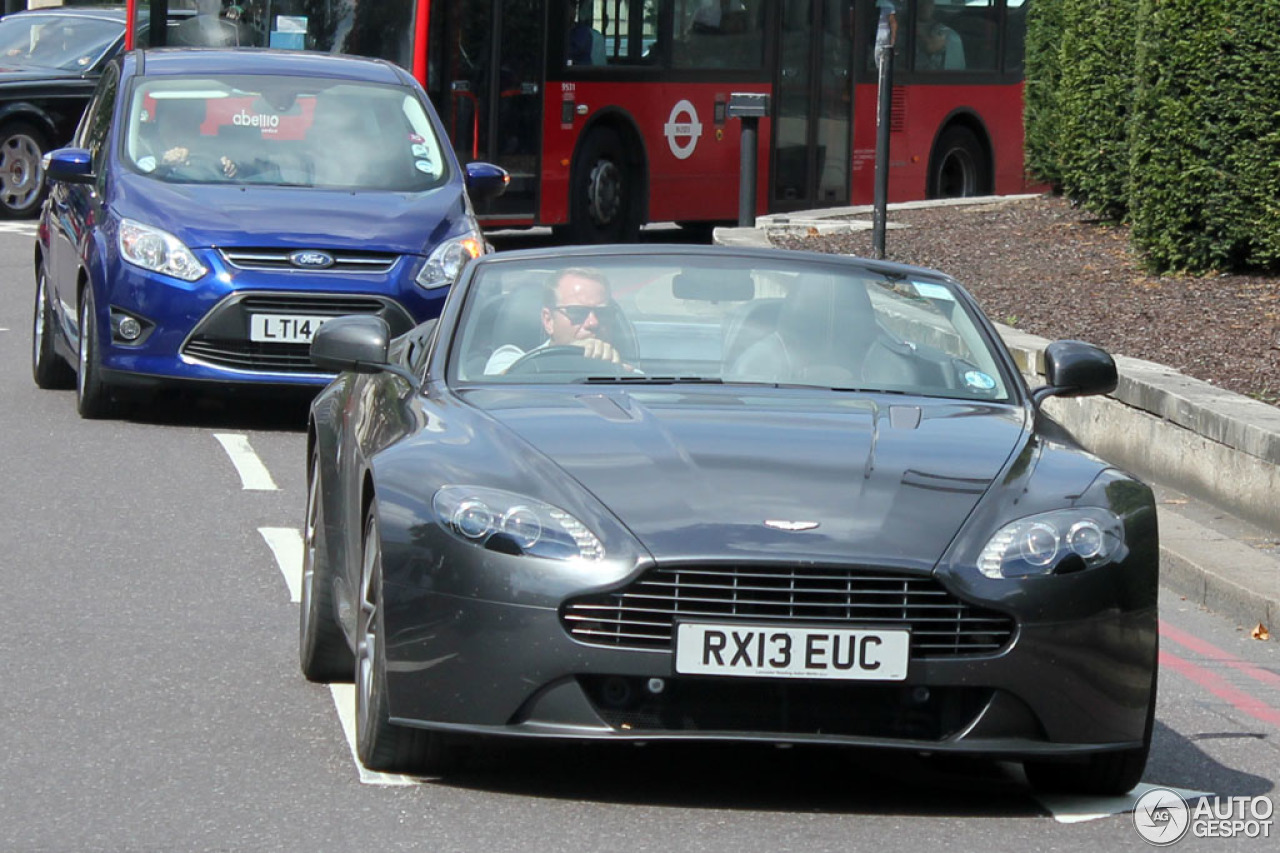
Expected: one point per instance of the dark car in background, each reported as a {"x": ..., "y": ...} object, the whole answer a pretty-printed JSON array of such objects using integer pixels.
[{"x": 50, "y": 62}]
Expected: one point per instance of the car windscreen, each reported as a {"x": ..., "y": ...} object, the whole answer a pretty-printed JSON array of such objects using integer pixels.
[
  {"x": 65, "y": 42},
  {"x": 722, "y": 319},
  {"x": 282, "y": 130}
]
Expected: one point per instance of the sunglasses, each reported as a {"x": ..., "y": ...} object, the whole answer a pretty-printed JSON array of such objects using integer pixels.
[{"x": 578, "y": 314}]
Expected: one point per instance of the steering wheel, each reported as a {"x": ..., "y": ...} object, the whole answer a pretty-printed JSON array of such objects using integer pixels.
[
  {"x": 541, "y": 360},
  {"x": 199, "y": 167}
]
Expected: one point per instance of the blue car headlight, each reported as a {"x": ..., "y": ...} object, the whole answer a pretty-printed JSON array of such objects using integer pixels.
[
  {"x": 514, "y": 524},
  {"x": 1054, "y": 542},
  {"x": 447, "y": 260},
  {"x": 158, "y": 251}
]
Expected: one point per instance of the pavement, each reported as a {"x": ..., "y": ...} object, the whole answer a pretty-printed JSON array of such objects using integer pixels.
[{"x": 1212, "y": 456}]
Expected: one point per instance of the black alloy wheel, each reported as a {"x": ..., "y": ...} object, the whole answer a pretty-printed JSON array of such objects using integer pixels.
[
  {"x": 603, "y": 201},
  {"x": 322, "y": 649}
]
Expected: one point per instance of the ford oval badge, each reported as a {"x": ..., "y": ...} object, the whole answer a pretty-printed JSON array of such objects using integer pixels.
[{"x": 311, "y": 259}]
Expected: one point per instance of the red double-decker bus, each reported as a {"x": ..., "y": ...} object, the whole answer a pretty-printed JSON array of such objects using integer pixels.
[{"x": 613, "y": 113}]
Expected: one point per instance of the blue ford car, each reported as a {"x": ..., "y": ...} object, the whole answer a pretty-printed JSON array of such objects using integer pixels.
[{"x": 218, "y": 206}]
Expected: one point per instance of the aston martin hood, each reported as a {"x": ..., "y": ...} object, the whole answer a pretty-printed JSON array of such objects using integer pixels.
[{"x": 808, "y": 477}]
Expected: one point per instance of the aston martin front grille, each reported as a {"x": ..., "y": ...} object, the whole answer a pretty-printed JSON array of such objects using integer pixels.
[
  {"x": 278, "y": 259},
  {"x": 642, "y": 614}
]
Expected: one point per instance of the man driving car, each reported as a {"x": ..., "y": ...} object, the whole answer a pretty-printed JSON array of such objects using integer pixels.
[{"x": 577, "y": 310}]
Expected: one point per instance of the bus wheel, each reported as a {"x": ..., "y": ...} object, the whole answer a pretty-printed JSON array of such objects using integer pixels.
[
  {"x": 958, "y": 167},
  {"x": 602, "y": 204}
]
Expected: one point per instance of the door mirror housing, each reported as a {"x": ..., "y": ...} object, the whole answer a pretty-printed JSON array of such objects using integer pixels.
[
  {"x": 69, "y": 165},
  {"x": 358, "y": 343},
  {"x": 486, "y": 181},
  {"x": 1076, "y": 369}
]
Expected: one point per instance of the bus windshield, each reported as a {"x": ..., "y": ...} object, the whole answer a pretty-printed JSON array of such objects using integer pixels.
[{"x": 283, "y": 131}]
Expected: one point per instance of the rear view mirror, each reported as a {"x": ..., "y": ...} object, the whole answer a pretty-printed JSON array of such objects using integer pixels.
[
  {"x": 357, "y": 342},
  {"x": 486, "y": 181},
  {"x": 1076, "y": 369},
  {"x": 711, "y": 285},
  {"x": 69, "y": 165}
]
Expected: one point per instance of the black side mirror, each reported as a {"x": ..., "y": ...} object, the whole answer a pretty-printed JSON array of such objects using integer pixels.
[
  {"x": 486, "y": 181},
  {"x": 357, "y": 342},
  {"x": 1076, "y": 369},
  {"x": 69, "y": 165}
]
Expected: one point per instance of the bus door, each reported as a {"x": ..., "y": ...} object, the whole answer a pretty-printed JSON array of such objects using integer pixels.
[
  {"x": 493, "y": 55},
  {"x": 812, "y": 105}
]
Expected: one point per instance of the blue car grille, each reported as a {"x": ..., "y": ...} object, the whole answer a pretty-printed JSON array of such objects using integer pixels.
[
  {"x": 222, "y": 338},
  {"x": 642, "y": 614},
  {"x": 281, "y": 259}
]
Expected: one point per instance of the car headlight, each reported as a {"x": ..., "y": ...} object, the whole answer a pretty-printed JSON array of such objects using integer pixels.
[
  {"x": 514, "y": 524},
  {"x": 158, "y": 251},
  {"x": 448, "y": 259},
  {"x": 1054, "y": 542}
]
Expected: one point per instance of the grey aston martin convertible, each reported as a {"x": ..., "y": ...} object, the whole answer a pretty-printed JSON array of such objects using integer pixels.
[{"x": 668, "y": 493}]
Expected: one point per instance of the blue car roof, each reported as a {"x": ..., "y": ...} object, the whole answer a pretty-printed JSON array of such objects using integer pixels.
[{"x": 187, "y": 61}]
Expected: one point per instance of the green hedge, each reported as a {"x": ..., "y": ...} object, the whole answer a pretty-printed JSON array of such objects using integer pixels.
[
  {"x": 1096, "y": 57},
  {"x": 1040, "y": 101},
  {"x": 1167, "y": 113},
  {"x": 1205, "y": 135}
]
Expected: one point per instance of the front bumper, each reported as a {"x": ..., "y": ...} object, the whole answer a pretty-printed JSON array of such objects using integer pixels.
[
  {"x": 199, "y": 331},
  {"x": 467, "y": 665}
]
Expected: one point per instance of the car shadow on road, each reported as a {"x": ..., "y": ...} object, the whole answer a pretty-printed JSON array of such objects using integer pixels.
[
  {"x": 811, "y": 779},
  {"x": 752, "y": 777},
  {"x": 283, "y": 410}
]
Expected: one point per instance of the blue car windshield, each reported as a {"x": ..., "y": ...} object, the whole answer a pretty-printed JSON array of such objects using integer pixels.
[
  {"x": 336, "y": 134},
  {"x": 66, "y": 42},
  {"x": 650, "y": 318}
]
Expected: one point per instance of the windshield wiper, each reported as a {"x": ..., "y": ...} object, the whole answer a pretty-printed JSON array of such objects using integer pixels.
[{"x": 639, "y": 379}]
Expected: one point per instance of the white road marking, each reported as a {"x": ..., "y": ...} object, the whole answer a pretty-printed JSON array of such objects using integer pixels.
[
  {"x": 253, "y": 474},
  {"x": 344, "y": 699},
  {"x": 1068, "y": 808},
  {"x": 286, "y": 544},
  {"x": 27, "y": 228}
]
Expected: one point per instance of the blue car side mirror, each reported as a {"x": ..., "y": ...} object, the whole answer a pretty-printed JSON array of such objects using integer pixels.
[
  {"x": 486, "y": 181},
  {"x": 69, "y": 165}
]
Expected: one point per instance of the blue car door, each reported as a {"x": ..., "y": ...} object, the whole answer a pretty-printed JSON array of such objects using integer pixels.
[{"x": 74, "y": 209}]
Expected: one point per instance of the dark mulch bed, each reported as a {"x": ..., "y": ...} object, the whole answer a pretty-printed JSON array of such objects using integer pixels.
[{"x": 1052, "y": 270}]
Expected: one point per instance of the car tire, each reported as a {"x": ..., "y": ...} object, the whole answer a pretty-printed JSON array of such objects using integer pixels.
[
  {"x": 380, "y": 745},
  {"x": 47, "y": 367},
  {"x": 22, "y": 184},
  {"x": 603, "y": 193},
  {"x": 959, "y": 167},
  {"x": 322, "y": 649},
  {"x": 1106, "y": 774},
  {"x": 93, "y": 396}
]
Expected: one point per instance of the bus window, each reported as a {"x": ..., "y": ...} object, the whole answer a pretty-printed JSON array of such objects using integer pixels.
[
  {"x": 611, "y": 32},
  {"x": 956, "y": 35},
  {"x": 718, "y": 34}
]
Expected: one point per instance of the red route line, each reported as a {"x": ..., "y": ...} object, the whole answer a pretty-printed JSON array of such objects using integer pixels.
[
  {"x": 1200, "y": 647},
  {"x": 1218, "y": 686}
]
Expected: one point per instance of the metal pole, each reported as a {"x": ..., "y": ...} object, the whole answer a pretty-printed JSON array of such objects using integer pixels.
[
  {"x": 750, "y": 107},
  {"x": 883, "y": 117},
  {"x": 747, "y": 174}
]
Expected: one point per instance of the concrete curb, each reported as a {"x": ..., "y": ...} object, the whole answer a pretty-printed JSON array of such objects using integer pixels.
[{"x": 1168, "y": 428}]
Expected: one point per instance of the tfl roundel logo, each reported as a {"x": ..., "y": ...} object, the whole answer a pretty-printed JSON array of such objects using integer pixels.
[{"x": 311, "y": 259}]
